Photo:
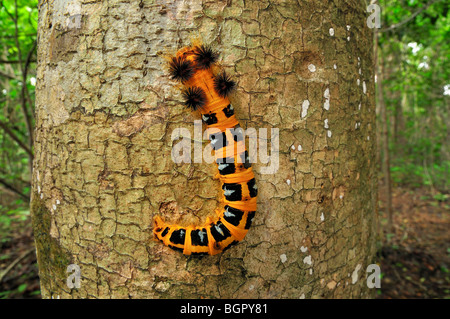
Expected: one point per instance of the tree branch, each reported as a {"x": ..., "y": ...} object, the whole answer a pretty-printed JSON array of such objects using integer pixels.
[
  {"x": 13, "y": 189},
  {"x": 7, "y": 12},
  {"x": 18, "y": 178},
  {"x": 8, "y": 76},
  {"x": 411, "y": 17},
  {"x": 14, "y": 61},
  {"x": 15, "y": 262},
  {"x": 8, "y": 131},
  {"x": 25, "y": 91}
]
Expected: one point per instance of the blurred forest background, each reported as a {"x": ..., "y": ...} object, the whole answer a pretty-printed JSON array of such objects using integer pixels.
[{"x": 413, "y": 95}]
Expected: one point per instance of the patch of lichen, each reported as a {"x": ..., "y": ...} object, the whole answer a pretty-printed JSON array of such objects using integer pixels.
[{"x": 53, "y": 259}]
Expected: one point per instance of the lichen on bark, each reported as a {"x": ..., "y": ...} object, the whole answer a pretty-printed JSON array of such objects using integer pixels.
[{"x": 52, "y": 258}]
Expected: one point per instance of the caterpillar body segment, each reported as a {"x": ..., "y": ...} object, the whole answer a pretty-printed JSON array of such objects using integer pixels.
[{"x": 208, "y": 93}]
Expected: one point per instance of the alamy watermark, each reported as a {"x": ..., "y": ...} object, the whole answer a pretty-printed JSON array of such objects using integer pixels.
[
  {"x": 74, "y": 279},
  {"x": 229, "y": 142},
  {"x": 374, "y": 278},
  {"x": 74, "y": 19},
  {"x": 374, "y": 19}
]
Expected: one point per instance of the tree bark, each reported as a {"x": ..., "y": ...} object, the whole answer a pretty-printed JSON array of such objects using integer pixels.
[{"x": 105, "y": 112}]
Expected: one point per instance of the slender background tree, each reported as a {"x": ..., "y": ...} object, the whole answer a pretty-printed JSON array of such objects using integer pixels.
[{"x": 105, "y": 111}]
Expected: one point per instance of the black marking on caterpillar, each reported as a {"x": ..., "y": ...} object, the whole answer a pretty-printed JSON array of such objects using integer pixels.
[
  {"x": 209, "y": 119},
  {"x": 229, "y": 110}
]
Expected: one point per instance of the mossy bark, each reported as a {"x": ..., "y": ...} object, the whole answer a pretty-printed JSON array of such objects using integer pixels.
[{"x": 106, "y": 109}]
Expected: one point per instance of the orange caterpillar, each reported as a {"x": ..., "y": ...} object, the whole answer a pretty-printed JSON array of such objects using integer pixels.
[{"x": 206, "y": 92}]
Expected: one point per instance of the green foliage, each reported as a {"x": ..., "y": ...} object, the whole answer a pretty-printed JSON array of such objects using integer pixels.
[
  {"x": 10, "y": 220},
  {"x": 22, "y": 288},
  {"x": 18, "y": 27},
  {"x": 52, "y": 255},
  {"x": 417, "y": 90}
]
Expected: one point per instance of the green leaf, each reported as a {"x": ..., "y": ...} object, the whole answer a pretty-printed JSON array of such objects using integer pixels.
[
  {"x": 5, "y": 294},
  {"x": 22, "y": 288}
]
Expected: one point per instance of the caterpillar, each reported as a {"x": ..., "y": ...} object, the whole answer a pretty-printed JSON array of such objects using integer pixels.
[{"x": 208, "y": 93}]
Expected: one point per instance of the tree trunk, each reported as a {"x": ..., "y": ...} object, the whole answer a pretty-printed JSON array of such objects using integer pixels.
[
  {"x": 106, "y": 110},
  {"x": 386, "y": 165}
]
